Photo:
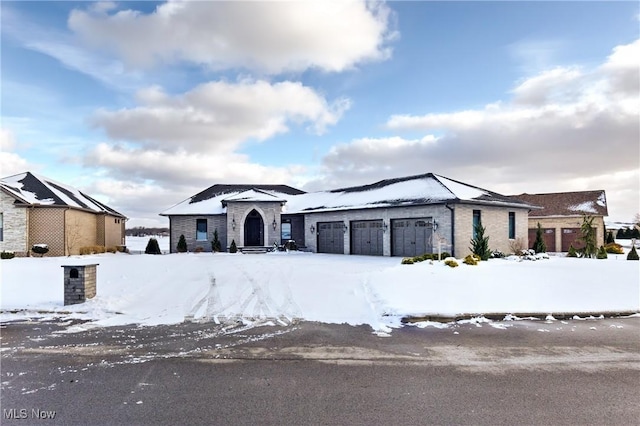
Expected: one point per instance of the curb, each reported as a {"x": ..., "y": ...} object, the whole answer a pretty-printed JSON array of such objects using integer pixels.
[{"x": 493, "y": 316}]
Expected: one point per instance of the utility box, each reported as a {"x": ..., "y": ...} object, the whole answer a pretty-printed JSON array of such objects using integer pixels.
[{"x": 79, "y": 283}]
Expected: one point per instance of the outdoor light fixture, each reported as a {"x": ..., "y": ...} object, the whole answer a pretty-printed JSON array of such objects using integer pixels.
[
  {"x": 384, "y": 226},
  {"x": 233, "y": 223},
  {"x": 345, "y": 228},
  {"x": 274, "y": 224},
  {"x": 312, "y": 229},
  {"x": 435, "y": 225}
]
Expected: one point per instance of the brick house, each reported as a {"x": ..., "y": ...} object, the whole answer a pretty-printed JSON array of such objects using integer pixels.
[
  {"x": 562, "y": 214},
  {"x": 405, "y": 216},
  {"x": 38, "y": 210}
]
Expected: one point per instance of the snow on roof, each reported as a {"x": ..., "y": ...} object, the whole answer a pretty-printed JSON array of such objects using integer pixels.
[
  {"x": 33, "y": 189},
  {"x": 411, "y": 190},
  {"x": 253, "y": 195}
]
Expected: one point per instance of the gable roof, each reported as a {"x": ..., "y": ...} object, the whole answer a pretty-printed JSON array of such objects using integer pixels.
[
  {"x": 213, "y": 200},
  {"x": 421, "y": 189},
  {"x": 35, "y": 190},
  {"x": 577, "y": 203},
  {"x": 411, "y": 190}
]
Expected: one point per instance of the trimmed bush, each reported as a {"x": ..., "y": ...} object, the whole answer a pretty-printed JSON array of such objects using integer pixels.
[
  {"x": 614, "y": 248},
  {"x": 572, "y": 252},
  {"x": 407, "y": 261},
  {"x": 182, "y": 244},
  {"x": 451, "y": 263},
  {"x": 111, "y": 249},
  {"x": 216, "y": 246},
  {"x": 40, "y": 249},
  {"x": 7, "y": 255},
  {"x": 233, "y": 248},
  {"x": 610, "y": 238},
  {"x": 633, "y": 254},
  {"x": 602, "y": 253},
  {"x": 470, "y": 260},
  {"x": 443, "y": 255},
  {"x": 152, "y": 247}
]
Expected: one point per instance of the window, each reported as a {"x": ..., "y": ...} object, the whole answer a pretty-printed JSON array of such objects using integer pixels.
[
  {"x": 512, "y": 225},
  {"x": 201, "y": 230},
  {"x": 285, "y": 231},
  {"x": 1, "y": 227},
  {"x": 476, "y": 221}
]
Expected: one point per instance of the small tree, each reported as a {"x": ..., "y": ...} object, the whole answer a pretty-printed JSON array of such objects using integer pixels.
[
  {"x": 633, "y": 254},
  {"x": 588, "y": 237},
  {"x": 602, "y": 253},
  {"x": 572, "y": 252},
  {"x": 610, "y": 239},
  {"x": 182, "y": 244},
  {"x": 539, "y": 246},
  {"x": 480, "y": 243},
  {"x": 215, "y": 244},
  {"x": 233, "y": 248},
  {"x": 152, "y": 247}
]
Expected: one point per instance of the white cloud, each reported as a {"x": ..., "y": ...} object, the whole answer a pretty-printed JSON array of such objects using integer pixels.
[
  {"x": 562, "y": 127},
  {"x": 270, "y": 37},
  {"x": 11, "y": 163},
  {"x": 218, "y": 116}
]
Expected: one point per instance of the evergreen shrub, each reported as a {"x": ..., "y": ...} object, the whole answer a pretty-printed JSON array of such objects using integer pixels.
[
  {"x": 7, "y": 255},
  {"x": 480, "y": 243},
  {"x": 215, "y": 244},
  {"x": 233, "y": 248},
  {"x": 633, "y": 254},
  {"x": 182, "y": 244},
  {"x": 152, "y": 247},
  {"x": 539, "y": 246},
  {"x": 40, "y": 249},
  {"x": 407, "y": 261},
  {"x": 572, "y": 252},
  {"x": 470, "y": 260},
  {"x": 451, "y": 263},
  {"x": 614, "y": 248},
  {"x": 602, "y": 253}
]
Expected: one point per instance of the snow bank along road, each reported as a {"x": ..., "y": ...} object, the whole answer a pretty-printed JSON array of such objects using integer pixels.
[
  {"x": 529, "y": 372},
  {"x": 281, "y": 288}
]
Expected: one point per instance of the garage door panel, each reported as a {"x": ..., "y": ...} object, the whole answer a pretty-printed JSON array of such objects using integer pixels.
[
  {"x": 570, "y": 237},
  {"x": 330, "y": 237},
  {"x": 366, "y": 237},
  {"x": 411, "y": 237}
]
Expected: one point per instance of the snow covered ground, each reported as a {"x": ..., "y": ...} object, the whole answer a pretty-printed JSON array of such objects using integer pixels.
[{"x": 282, "y": 287}]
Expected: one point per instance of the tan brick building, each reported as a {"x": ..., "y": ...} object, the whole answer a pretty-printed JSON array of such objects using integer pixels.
[
  {"x": 562, "y": 215},
  {"x": 38, "y": 210}
]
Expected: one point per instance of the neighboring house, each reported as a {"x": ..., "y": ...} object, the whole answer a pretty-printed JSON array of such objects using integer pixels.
[
  {"x": 562, "y": 215},
  {"x": 38, "y": 210},
  {"x": 395, "y": 217}
]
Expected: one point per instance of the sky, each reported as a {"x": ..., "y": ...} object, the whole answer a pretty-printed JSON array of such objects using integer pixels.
[{"x": 144, "y": 104}]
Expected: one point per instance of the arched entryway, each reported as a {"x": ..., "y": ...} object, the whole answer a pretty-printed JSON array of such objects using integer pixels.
[{"x": 254, "y": 229}]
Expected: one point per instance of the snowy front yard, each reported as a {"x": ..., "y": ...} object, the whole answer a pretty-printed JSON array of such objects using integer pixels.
[{"x": 280, "y": 287}]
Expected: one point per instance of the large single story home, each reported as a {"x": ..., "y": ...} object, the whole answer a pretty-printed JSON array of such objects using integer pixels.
[
  {"x": 37, "y": 210},
  {"x": 405, "y": 216},
  {"x": 562, "y": 214}
]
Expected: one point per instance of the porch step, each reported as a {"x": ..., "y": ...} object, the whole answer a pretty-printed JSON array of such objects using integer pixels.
[{"x": 254, "y": 250}]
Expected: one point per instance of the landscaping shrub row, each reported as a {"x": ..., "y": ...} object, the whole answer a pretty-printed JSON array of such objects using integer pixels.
[{"x": 423, "y": 257}]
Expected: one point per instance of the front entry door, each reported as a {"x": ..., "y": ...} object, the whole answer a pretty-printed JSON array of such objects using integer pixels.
[{"x": 254, "y": 230}]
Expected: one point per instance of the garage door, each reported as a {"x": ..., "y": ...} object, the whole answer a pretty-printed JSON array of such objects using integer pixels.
[
  {"x": 331, "y": 237},
  {"x": 548, "y": 236},
  {"x": 411, "y": 237},
  {"x": 570, "y": 237},
  {"x": 366, "y": 237}
]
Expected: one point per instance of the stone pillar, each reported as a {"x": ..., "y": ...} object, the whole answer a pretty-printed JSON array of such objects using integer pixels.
[{"x": 79, "y": 283}]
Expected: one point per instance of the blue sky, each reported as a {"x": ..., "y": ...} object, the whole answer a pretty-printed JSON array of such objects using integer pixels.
[{"x": 143, "y": 104}]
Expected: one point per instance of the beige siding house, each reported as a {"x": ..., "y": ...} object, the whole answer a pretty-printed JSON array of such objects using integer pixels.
[
  {"x": 38, "y": 210},
  {"x": 405, "y": 216},
  {"x": 562, "y": 215}
]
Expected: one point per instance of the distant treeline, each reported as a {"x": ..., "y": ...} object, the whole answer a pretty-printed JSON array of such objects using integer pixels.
[
  {"x": 141, "y": 231},
  {"x": 628, "y": 233}
]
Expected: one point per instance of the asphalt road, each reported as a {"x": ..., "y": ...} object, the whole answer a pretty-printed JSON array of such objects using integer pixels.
[{"x": 574, "y": 372}]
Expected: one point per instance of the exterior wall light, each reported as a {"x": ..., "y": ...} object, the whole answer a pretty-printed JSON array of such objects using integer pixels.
[
  {"x": 384, "y": 226},
  {"x": 345, "y": 228},
  {"x": 274, "y": 224},
  {"x": 233, "y": 223},
  {"x": 435, "y": 225},
  {"x": 312, "y": 228}
]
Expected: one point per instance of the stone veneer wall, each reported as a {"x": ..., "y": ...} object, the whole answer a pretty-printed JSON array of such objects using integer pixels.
[
  {"x": 15, "y": 226},
  {"x": 496, "y": 222},
  {"x": 440, "y": 213},
  {"x": 81, "y": 287}
]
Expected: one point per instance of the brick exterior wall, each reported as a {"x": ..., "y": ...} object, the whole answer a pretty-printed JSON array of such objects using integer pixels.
[
  {"x": 439, "y": 213},
  {"x": 496, "y": 222},
  {"x": 15, "y": 226},
  {"x": 186, "y": 225},
  {"x": 560, "y": 222}
]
